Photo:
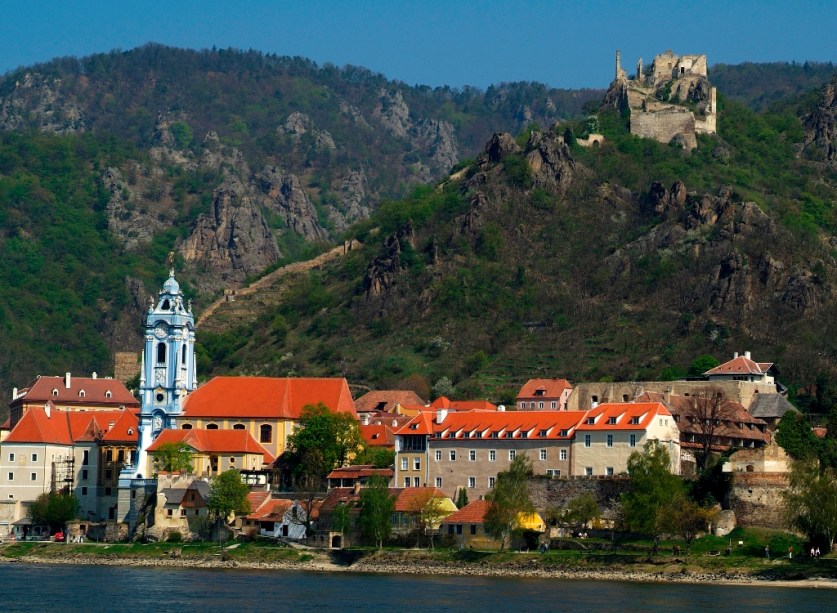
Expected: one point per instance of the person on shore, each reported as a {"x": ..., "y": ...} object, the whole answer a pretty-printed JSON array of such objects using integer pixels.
[
  {"x": 813, "y": 552},
  {"x": 790, "y": 552},
  {"x": 767, "y": 551},
  {"x": 818, "y": 553}
]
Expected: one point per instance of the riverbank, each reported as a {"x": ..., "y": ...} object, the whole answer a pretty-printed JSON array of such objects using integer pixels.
[{"x": 555, "y": 565}]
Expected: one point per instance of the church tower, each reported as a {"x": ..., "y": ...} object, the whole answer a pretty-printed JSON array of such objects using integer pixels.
[{"x": 168, "y": 366}]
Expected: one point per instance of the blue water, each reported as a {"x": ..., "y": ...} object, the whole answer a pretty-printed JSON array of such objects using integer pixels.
[{"x": 25, "y": 587}]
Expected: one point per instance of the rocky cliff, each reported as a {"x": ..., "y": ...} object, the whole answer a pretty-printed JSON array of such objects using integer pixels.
[{"x": 821, "y": 126}]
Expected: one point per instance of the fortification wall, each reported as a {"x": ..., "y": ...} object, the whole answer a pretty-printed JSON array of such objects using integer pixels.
[
  {"x": 663, "y": 126},
  {"x": 756, "y": 499},
  {"x": 547, "y": 492}
]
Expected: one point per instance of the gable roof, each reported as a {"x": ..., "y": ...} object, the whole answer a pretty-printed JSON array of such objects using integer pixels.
[
  {"x": 377, "y": 435},
  {"x": 414, "y": 499},
  {"x": 359, "y": 471},
  {"x": 770, "y": 406},
  {"x": 740, "y": 365},
  {"x": 542, "y": 425},
  {"x": 386, "y": 400},
  {"x": 544, "y": 389},
  {"x": 175, "y": 495},
  {"x": 69, "y": 427},
  {"x": 622, "y": 413},
  {"x": 442, "y": 402},
  {"x": 422, "y": 423},
  {"x": 267, "y": 397},
  {"x": 472, "y": 513},
  {"x": 97, "y": 391},
  {"x": 213, "y": 441}
]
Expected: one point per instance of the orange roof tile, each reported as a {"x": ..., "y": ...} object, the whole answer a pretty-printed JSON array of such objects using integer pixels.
[
  {"x": 414, "y": 499},
  {"x": 67, "y": 427},
  {"x": 624, "y": 415},
  {"x": 740, "y": 365},
  {"x": 359, "y": 471},
  {"x": 98, "y": 391},
  {"x": 272, "y": 509},
  {"x": 472, "y": 513},
  {"x": 544, "y": 389},
  {"x": 542, "y": 425},
  {"x": 420, "y": 424},
  {"x": 267, "y": 397},
  {"x": 443, "y": 402},
  {"x": 377, "y": 435},
  {"x": 209, "y": 441},
  {"x": 385, "y": 400}
]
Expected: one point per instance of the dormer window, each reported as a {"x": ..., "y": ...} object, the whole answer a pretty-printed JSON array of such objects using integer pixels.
[
  {"x": 477, "y": 434},
  {"x": 54, "y": 392},
  {"x": 509, "y": 434},
  {"x": 590, "y": 421},
  {"x": 543, "y": 432},
  {"x": 451, "y": 434},
  {"x": 634, "y": 421},
  {"x": 108, "y": 394},
  {"x": 565, "y": 432},
  {"x": 81, "y": 394},
  {"x": 495, "y": 434},
  {"x": 413, "y": 426},
  {"x": 611, "y": 421},
  {"x": 524, "y": 435},
  {"x": 540, "y": 392}
]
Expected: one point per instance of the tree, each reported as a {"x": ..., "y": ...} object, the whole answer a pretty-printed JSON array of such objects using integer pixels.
[
  {"x": 379, "y": 457},
  {"x": 701, "y": 364},
  {"x": 653, "y": 488},
  {"x": 431, "y": 516},
  {"x": 227, "y": 495},
  {"x": 508, "y": 499},
  {"x": 444, "y": 387},
  {"x": 53, "y": 510},
  {"x": 811, "y": 501},
  {"x": 795, "y": 436},
  {"x": 341, "y": 519},
  {"x": 707, "y": 413},
  {"x": 582, "y": 510},
  {"x": 173, "y": 457},
  {"x": 686, "y": 518},
  {"x": 376, "y": 507},
  {"x": 324, "y": 440},
  {"x": 462, "y": 498}
]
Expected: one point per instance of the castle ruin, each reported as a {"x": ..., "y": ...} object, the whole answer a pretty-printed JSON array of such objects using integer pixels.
[{"x": 670, "y": 101}]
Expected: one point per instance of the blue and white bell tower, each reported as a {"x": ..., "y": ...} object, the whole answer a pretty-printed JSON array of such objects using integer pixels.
[{"x": 168, "y": 366}]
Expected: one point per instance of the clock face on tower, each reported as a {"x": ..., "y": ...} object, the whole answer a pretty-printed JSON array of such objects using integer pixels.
[{"x": 160, "y": 330}]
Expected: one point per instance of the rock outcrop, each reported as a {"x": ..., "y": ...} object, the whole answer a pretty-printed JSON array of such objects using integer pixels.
[
  {"x": 230, "y": 242},
  {"x": 353, "y": 201},
  {"x": 282, "y": 194},
  {"x": 37, "y": 101},
  {"x": 383, "y": 271},
  {"x": 820, "y": 140},
  {"x": 128, "y": 218},
  {"x": 551, "y": 162}
]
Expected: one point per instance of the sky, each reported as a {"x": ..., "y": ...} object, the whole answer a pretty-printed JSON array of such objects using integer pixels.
[{"x": 562, "y": 43}]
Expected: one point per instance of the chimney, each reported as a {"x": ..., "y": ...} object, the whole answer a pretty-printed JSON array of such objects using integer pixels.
[
  {"x": 667, "y": 394},
  {"x": 734, "y": 355},
  {"x": 68, "y": 381},
  {"x": 94, "y": 374},
  {"x": 364, "y": 419},
  {"x": 14, "y": 393},
  {"x": 501, "y": 407},
  {"x": 747, "y": 354},
  {"x": 441, "y": 415},
  {"x": 48, "y": 409}
]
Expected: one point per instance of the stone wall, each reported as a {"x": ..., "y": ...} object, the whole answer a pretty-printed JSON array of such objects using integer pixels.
[
  {"x": 547, "y": 492},
  {"x": 756, "y": 499},
  {"x": 125, "y": 365},
  {"x": 663, "y": 126}
]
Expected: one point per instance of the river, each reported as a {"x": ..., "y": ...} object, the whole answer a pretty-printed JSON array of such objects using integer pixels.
[{"x": 37, "y": 588}]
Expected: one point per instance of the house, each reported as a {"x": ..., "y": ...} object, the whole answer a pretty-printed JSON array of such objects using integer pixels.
[
  {"x": 544, "y": 394},
  {"x": 275, "y": 517},
  {"x": 743, "y": 368},
  {"x": 466, "y": 450},
  {"x": 385, "y": 401},
  {"x": 181, "y": 504},
  {"x": 217, "y": 451},
  {"x": 771, "y": 408},
  {"x": 69, "y": 393},
  {"x": 411, "y": 450},
  {"x": 409, "y": 504},
  {"x": 267, "y": 408},
  {"x": 467, "y": 526},
  {"x": 442, "y": 402},
  {"x": 377, "y": 434},
  {"x": 348, "y": 476},
  {"x": 79, "y": 452},
  {"x": 608, "y": 434}
]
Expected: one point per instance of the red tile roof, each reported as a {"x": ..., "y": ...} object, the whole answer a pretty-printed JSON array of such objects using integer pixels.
[
  {"x": 462, "y": 405},
  {"x": 272, "y": 509},
  {"x": 472, "y": 513},
  {"x": 267, "y": 397},
  {"x": 67, "y": 427},
  {"x": 544, "y": 389},
  {"x": 358, "y": 472},
  {"x": 378, "y": 435},
  {"x": 543, "y": 425},
  {"x": 385, "y": 400},
  {"x": 96, "y": 392},
  {"x": 740, "y": 365},
  {"x": 420, "y": 424},
  {"x": 213, "y": 441},
  {"x": 622, "y": 413},
  {"x": 414, "y": 499}
]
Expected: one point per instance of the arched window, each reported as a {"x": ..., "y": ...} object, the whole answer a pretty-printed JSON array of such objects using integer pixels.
[
  {"x": 108, "y": 394},
  {"x": 211, "y": 426},
  {"x": 81, "y": 394},
  {"x": 183, "y": 355},
  {"x": 186, "y": 427},
  {"x": 161, "y": 353},
  {"x": 54, "y": 392},
  {"x": 266, "y": 433},
  {"x": 166, "y": 305},
  {"x": 239, "y": 427}
]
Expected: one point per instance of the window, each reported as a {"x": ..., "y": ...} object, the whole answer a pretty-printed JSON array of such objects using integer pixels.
[
  {"x": 553, "y": 405},
  {"x": 183, "y": 355},
  {"x": 33, "y": 476},
  {"x": 512, "y": 454},
  {"x": 403, "y": 463},
  {"x": 588, "y": 471},
  {"x": 473, "y": 529},
  {"x": 632, "y": 441},
  {"x": 590, "y": 421},
  {"x": 459, "y": 528},
  {"x": 11, "y": 457},
  {"x": 416, "y": 482},
  {"x": 239, "y": 427},
  {"x": 472, "y": 482},
  {"x": 182, "y": 512},
  {"x": 416, "y": 463},
  {"x": 610, "y": 440},
  {"x": 634, "y": 421},
  {"x": 609, "y": 471},
  {"x": 108, "y": 394},
  {"x": 161, "y": 353},
  {"x": 34, "y": 457},
  {"x": 186, "y": 427},
  {"x": 438, "y": 455},
  {"x": 543, "y": 454},
  {"x": 211, "y": 426},
  {"x": 54, "y": 392},
  {"x": 524, "y": 434},
  {"x": 532, "y": 405},
  {"x": 543, "y": 432},
  {"x": 120, "y": 455},
  {"x": 81, "y": 394},
  {"x": 266, "y": 433},
  {"x": 11, "y": 476},
  {"x": 522, "y": 406},
  {"x": 540, "y": 405},
  {"x": 586, "y": 440},
  {"x": 492, "y": 455},
  {"x": 452, "y": 454},
  {"x": 84, "y": 491},
  {"x": 472, "y": 455},
  {"x": 406, "y": 481},
  {"x": 510, "y": 434},
  {"x": 553, "y": 472},
  {"x": 108, "y": 491},
  {"x": 84, "y": 475},
  {"x": 563, "y": 455},
  {"x": 85, "y": 459},
  {"x": 108, "y": 474},
  {"x": 438, "y": 482},
  {"x": 109, "y": 455},
  {"x": 492, "y": 481},
  {"x": 611, "y": 421},
  {"x": 495, "y": 434},
  {"x": 565, "y": 432}
]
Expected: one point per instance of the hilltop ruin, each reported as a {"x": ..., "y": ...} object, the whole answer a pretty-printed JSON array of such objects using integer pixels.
[{"x": 670, "y": 101}]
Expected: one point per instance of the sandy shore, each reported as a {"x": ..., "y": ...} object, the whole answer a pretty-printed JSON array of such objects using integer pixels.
[{"x": 321, "y": 563}]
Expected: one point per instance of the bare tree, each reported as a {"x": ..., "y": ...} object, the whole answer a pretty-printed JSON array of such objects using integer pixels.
[{"x": 707, "y": 417}]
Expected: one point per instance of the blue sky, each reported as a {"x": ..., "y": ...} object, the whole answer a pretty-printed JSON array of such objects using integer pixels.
[{"x": 434, "y": 42}]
